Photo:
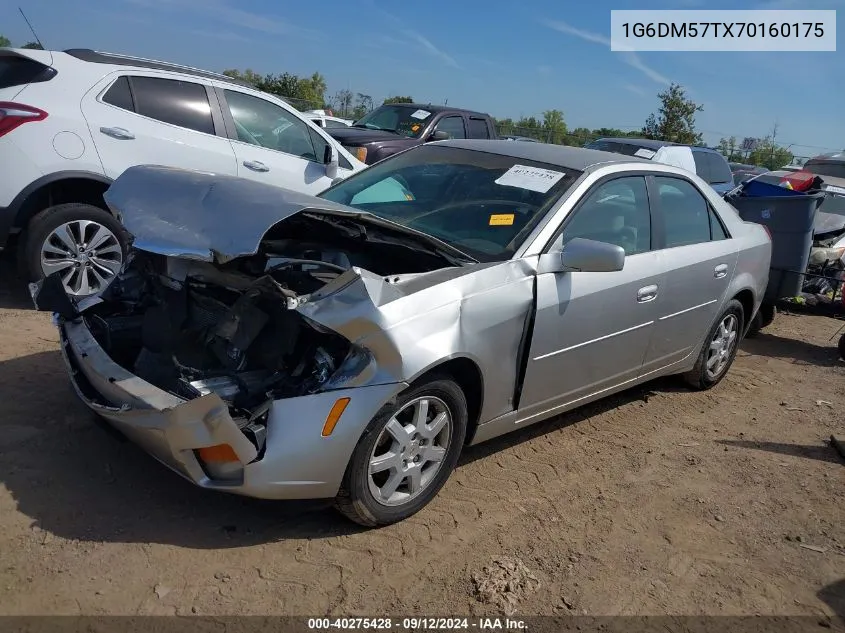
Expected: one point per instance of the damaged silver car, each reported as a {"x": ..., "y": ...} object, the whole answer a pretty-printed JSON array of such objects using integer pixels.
[{"x": 350, "y": 345}]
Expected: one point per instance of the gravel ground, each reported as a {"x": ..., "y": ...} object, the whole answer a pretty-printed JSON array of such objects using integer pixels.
[{"x": 656, "y": 501}]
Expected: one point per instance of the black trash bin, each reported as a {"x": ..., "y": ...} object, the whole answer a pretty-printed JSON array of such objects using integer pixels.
[{"x": 790, "y": 217}]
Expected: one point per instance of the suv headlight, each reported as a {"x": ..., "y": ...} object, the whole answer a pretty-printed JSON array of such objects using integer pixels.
[{"x": 358, "y": 152}]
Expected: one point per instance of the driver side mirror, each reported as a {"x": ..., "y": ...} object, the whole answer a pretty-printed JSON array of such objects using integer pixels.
[
  {"x": 583, "y": 255},
  {"x": 331, "y": 161},
  {"x": 439, "y": 135}
]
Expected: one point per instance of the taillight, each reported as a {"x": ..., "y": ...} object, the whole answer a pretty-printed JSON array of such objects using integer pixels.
[{"x": 13, "y": 115}]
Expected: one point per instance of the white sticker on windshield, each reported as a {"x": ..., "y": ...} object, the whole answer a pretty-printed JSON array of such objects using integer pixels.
[
  {"x": 837, "y": 190},
  {"x": 645, "y": 153},
  {"x": 531, "y": 178},
  {"x": 421, "y": 114}
]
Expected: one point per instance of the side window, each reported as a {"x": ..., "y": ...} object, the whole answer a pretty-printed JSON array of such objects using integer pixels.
[
  {"x": 686, "y": 214},
  {"x": 616, "y": 212},
  {"x": 330, "y": 123},
  {"x": 717, "y": 231},
  {"x": 720, "y": 171},
  {"x": 453, "y": 126},
  {"x": 260, "y": 122},
  {"x": 320, "y": 144},
  {"x": 119, "y": 95},
  {"x": 702, "y": 165},
  {"x": 181, "y": 103},
  {"x": 478, "y": 128}
]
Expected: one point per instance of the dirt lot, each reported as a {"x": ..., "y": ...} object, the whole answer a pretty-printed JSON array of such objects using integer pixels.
[{"x": 659, "y": 501}]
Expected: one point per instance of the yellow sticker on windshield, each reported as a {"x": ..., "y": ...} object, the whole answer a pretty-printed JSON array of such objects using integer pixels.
[
  {"x": 414, "y": 128},
  {"x": 502, "y": 219}
]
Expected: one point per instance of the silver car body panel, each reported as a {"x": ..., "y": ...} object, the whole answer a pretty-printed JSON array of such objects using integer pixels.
[{"x": 540, "y": 342}]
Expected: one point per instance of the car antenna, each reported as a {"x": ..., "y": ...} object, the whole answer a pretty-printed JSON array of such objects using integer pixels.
[{"x": 34, "y": 34}]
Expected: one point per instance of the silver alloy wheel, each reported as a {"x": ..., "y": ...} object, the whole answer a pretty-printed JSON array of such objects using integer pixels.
[
  {"x": 722, "y": 346},
  {"x": 87, "y": 254},
  {"x": 410, "y": 451}
]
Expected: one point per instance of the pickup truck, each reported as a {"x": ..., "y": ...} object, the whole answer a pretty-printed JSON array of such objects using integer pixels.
[{"x": 394, "y": 127}]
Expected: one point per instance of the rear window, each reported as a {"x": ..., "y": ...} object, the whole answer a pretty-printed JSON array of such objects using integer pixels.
[
  {"x": 19, "y": 71},
  {"x": 825, "y": 168},
  {"x": 628, "y": 149},
  {"x": 478, "y": 128},
  {"x": 720, "y": 171}
]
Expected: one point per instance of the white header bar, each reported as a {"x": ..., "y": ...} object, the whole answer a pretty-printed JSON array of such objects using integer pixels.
[{"x": 728, "y": 30}]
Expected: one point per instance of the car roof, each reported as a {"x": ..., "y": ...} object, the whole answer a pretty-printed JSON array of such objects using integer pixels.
[
  {"x": 560, "y": 155},
  {"x": 435, "y": 108},
  {"x": 654, "y": 144},
  {"x": 831, "y": 157},
  {"x": 643, "y": 142},
  {"x": 97, "y": 57}
]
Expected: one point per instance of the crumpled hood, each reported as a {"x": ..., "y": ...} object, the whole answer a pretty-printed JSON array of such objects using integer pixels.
[{"x": 200, "y": 215}]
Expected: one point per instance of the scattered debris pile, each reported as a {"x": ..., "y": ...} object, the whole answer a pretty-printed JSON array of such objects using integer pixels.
[{"x": 504, "y": 583}]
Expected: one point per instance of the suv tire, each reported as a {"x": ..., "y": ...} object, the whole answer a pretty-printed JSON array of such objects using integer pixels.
[{"x": 81, "y": 239}]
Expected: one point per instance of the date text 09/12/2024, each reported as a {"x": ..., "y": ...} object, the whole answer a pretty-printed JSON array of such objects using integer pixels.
[{"x": 417, "y": 624}]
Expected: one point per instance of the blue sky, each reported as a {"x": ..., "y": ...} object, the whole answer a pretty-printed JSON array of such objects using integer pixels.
[{"x": 506, "y": 58}]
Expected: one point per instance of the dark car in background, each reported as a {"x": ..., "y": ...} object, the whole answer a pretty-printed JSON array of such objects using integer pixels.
[
  {"x": 394, "y": 127},
  {"x": 707, "y": 163}
]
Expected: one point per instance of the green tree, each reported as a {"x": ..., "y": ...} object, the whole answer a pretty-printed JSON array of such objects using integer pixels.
[
  {"x": 554, "y": 126},
  {"x": 675, "y": 121},
  {"x": 504, "y": 126},
  {"x": 248, "y": 75},
  {"x": 730, "y": 148},
  {"x": 343, "y": 101},
  {"x": 33, "y": 46},
  {"x": 769, "y": 155},
  {"x": 4, "y": 41},
  {"x": 363, "y": 104},
  {"x": 313, "y": 89},
  {"x": 398, "y": 100}
]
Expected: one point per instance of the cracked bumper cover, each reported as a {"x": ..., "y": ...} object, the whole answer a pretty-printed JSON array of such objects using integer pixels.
[{"x": 298, "y": 463}]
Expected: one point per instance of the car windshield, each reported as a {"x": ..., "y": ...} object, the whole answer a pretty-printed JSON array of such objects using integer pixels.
[
  {"x": 626, "y": 148},
  {"x": 405, "y": 120},
  {"x": 480, "y": 203}
]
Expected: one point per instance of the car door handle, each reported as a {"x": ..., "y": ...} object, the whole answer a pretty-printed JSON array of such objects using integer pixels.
[
  {"x": 720, "y": 271},
  {"x": 118, "y": 133},
  {"x": 646, "y": 294},
  {"x": 255, "y": 165}
]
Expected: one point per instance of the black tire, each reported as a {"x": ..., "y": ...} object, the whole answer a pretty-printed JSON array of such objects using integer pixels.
[
  {"x": 44, "y": 223},
  {"x": 354, "y": 499},
  {"x": 841, "y": 347},
  {"x": 763, "y": 319},
  {"x": 698, "y": 377}
]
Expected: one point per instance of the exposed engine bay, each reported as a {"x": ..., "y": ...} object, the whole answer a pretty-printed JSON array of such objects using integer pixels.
[{"x": 193, "y": 328}]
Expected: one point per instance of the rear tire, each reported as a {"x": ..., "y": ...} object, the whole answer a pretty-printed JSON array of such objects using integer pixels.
[
  {"x": 75, "y": 237},
  {"x": 763, "y": 319},
  {"x": 399, "y": 465},
  {"x": 719, "y": 349}
]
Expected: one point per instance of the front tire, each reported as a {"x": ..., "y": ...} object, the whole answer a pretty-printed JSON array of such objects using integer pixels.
[
  {"x": 84, "y": 243},
  {"x": 719, "y": 350},
  {"x": 405, "y": 455}
]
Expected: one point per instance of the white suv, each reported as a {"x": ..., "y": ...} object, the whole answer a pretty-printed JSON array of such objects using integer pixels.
[{"x": 71, "y": 122}]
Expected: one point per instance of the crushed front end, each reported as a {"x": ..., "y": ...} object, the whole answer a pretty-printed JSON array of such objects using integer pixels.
[{"x": 213, "y": 371}]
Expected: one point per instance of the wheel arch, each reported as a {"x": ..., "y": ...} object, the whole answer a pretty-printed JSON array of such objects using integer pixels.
[
  {"x": 466, "y": 372},
  {"x": 65, "y": 186},
  {"x": 747, "y": 300}
]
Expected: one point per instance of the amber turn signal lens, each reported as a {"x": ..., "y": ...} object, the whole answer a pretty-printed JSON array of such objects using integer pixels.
[
  {"x": 334, "y": 416},
  {"x": 218, "y": 453}
]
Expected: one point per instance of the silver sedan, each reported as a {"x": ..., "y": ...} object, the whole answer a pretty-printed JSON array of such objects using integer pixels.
[{"x": 348, "y": 346}]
